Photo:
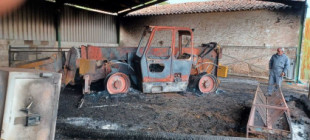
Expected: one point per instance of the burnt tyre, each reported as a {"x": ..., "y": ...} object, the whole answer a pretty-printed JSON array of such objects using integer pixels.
[
  {"x": 117, "y": 83},
  {"x": 207, "y": 83}
]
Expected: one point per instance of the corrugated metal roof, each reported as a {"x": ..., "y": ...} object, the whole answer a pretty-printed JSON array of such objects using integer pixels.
[
  {"x": 208, "y": 6},
  {"x": 112, "y": 6}
]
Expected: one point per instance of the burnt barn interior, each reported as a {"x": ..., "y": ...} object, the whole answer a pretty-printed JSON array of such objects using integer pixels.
[{"x": 154, "y": 69}]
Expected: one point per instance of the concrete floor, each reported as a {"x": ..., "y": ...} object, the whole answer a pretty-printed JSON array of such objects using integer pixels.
[{"x": 179, "y": 115}]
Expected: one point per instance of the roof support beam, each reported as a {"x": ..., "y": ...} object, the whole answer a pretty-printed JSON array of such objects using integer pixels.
[{"x": 144, "y": 5}]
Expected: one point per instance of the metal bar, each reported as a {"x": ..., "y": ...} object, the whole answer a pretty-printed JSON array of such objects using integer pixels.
[
  {"x": 251, "y": 117},
  {"x": 252, "y": 129},
  {"x": 36, "y": 55},
  {"x": 244, "y": 61},
  {"x": 281, "y": 94},
  {"x": 288, "y": 119},
  {"x": 16, "y": 50},
  {"x": 250, "y": 121},
  {"x": 38, "y": 51},
  {"x": 302, "y": 29},
  {"x": 39, "y": 48},
  {"x": 258, "y": 47},
  {"x": 144, "y": 5},
  {"x": 265, "y": 128},
  {"x": 267, "y": 118},
  {"x": 271, "y": 107}
]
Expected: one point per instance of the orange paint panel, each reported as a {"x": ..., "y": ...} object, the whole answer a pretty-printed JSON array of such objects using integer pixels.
[
  {"x": 91, "y": 52},
  {"x": 158, "y": 52},
  {"x": 94, "y": 53},
  {"x": 176, "y": 50},
  {"x": 196, "y": 51}
]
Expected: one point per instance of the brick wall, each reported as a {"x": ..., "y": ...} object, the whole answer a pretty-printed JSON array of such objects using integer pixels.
[{"x": 247, "y": 33}]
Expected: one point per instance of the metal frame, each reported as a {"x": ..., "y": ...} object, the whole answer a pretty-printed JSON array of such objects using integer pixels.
[
  {"x": 265, "y": 113},
  {"x": 36, "y": 50}
]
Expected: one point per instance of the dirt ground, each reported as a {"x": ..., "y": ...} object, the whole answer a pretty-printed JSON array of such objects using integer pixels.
[{"x": 222, "y": 113}]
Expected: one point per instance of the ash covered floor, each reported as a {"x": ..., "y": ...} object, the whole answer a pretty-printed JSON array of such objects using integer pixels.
[{"x": 223, "y": 113}]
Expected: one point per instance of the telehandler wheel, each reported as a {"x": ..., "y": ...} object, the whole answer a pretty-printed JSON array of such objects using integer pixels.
[
  {"x": 117, "y": 83},
  {"x": 207, "y": 83}
]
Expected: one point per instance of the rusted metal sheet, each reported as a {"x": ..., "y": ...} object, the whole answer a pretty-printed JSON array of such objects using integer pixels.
[
  {"x": 28, "y": 110},
  {"x": 269, "y": 115}
]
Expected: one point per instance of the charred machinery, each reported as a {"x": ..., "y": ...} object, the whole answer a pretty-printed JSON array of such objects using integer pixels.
[{"x": 164, "y": 61}]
